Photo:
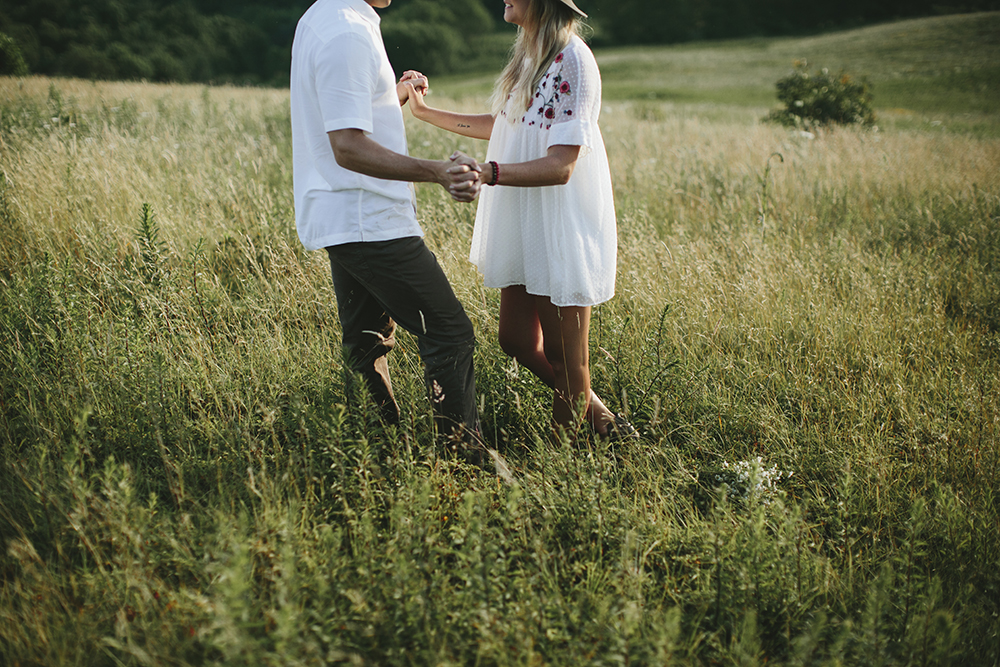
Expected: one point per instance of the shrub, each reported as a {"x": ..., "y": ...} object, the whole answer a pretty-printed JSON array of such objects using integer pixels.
[
  {"x": 128, "y": 64},
  {"x": 85, "y": 61},
  {"x": 431, "y": 49},
  {"x": 822, "y": 99},
  {"x": 11, "y": 61},
  {"x": 438, "y": 38}
]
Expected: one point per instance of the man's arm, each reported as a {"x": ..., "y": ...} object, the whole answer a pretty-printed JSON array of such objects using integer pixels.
[{"x": 355, "y": 151}]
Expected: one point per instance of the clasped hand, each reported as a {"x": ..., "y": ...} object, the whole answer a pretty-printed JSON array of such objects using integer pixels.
[
  {"x": 462, "y": 176},
  {"x": 463, "y": 181}
]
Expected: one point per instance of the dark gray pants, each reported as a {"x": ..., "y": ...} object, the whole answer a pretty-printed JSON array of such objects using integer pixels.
[{"x": 382, "y": 283}]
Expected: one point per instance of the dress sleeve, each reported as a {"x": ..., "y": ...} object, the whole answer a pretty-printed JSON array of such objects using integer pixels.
[{"x": 575, "y": 100}]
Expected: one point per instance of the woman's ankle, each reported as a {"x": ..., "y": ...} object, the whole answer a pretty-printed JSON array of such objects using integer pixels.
[{"x": 598, "y": 415}]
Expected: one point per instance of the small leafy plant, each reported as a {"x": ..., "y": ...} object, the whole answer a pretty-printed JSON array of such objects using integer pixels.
[
  {"x": 11, "y": 61},
  {"x": 820, "y": 99}
]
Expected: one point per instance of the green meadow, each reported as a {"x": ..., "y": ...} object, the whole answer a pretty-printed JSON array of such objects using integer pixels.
[{"x": 806, "y": 332}]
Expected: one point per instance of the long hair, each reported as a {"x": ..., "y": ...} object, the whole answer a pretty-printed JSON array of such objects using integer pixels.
[{"x": 548, "y": 27}]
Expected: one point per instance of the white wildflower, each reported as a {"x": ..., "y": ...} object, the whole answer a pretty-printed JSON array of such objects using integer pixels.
[{"x": 752, "y": 481}]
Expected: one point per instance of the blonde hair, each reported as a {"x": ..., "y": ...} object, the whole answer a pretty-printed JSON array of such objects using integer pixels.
[{"x": 549, "y": 26}]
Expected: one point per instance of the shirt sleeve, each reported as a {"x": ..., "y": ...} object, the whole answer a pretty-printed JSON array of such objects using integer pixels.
[
  {"x": 346, "y": 76},
  {"x": 576, "y": 101}
]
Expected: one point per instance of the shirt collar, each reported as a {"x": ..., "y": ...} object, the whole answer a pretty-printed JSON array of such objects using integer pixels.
[{"x": 367, "y": 12}]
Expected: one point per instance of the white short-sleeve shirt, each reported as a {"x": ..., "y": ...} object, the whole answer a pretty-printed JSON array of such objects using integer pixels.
[{"x": 341, "y": 79}]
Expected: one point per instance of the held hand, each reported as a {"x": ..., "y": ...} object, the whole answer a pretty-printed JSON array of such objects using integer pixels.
[
  {"x": 419, "y": 80},
  {"x": 460, "y": 159},
  {"x": 418, "y": 107},
  {"x": 463, "y": 177},
  {"x": 408, "y": 83}
]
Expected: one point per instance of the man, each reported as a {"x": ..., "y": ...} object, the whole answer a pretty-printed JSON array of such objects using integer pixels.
[{"x": 354, "y": 197}]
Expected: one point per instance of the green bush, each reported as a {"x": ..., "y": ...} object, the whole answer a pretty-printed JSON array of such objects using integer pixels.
[
  {"x": 11, "y": 61},
  {"x": 822, "y": 99},
  {"x": 85, "y": 62},
  {"x": 431, "y": 49},
  {"x": 437, "y": 38},
  {"x": 128, "y": 64}
]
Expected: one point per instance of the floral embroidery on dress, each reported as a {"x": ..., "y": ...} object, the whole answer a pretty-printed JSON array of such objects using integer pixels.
[{"x": 560, "y": 88}]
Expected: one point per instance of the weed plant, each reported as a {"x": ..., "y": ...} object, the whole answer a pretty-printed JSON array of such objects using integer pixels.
[{"x": 810, "y": 347}]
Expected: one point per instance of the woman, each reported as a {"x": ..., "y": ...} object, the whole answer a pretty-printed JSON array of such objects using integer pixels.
[{"x": 546, "y": 234}]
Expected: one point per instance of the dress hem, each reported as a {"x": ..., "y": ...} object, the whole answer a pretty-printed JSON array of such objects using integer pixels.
[{"x": 595, "y": 302}]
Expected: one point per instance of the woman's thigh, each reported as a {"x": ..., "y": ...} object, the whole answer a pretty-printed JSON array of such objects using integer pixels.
[{"x": 519, "y": 329}]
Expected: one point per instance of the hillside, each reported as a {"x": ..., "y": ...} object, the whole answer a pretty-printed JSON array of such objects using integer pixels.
[
  {"x": 941, "y": 68},
  {"x": 907, "y": 62}
]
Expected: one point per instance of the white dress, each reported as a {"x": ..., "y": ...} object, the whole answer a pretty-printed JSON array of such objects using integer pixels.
[{"x": 558, "y": 241}]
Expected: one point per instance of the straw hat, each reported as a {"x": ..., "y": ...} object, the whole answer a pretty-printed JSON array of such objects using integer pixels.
[{"x": 572, "y": 5}]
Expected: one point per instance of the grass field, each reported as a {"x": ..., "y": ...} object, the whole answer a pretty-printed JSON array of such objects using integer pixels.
[
  {"x": 942, "y": 70},
  {"x": 806, "y": 331}
]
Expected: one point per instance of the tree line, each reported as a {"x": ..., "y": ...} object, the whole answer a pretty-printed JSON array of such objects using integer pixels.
[
  {"x": 230, "y": 41},
  {"x": 156, "y": 40}
]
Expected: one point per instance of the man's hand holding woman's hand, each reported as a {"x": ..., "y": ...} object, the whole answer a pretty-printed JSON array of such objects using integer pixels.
[
  {"x": 462, "y": 177},
  {"x": 412, "y": 88},
  {"x": 412, "y": 84}
]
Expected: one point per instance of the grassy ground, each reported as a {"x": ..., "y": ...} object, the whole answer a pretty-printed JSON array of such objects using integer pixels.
[
  {"x": 806, "y": 331},
  {"x": 942, "y": 70}
]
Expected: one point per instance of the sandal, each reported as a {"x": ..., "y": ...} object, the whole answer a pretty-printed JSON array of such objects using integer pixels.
[{"x": 620, "y": 430}]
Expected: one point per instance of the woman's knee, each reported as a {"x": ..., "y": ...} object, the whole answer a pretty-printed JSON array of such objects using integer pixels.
[
  {"x": 515, "y": 343},
  {"x": 556, "y": 359},
  {"x": 566, "y": 361}
]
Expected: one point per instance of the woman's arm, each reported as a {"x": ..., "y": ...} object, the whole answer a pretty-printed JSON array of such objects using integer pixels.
[
  {"x": 477, "y": 126},
  {"x": 553, "y": 169}
]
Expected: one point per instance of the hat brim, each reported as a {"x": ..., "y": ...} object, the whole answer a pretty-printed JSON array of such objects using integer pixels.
[{"x": 572, "y": 5}]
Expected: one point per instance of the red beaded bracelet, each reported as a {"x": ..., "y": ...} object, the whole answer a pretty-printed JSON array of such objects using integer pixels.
[{"x": 496, "y": 173}]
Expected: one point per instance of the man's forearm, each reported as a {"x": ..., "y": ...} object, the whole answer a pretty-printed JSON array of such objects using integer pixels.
[{"x": 357, "y": 152}]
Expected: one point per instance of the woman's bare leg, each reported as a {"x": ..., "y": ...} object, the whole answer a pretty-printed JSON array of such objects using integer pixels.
[{"x": 521, "y": 336}]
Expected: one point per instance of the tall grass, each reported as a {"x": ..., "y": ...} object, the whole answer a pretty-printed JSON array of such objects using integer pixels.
[{"x": 806, "y": 332}]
